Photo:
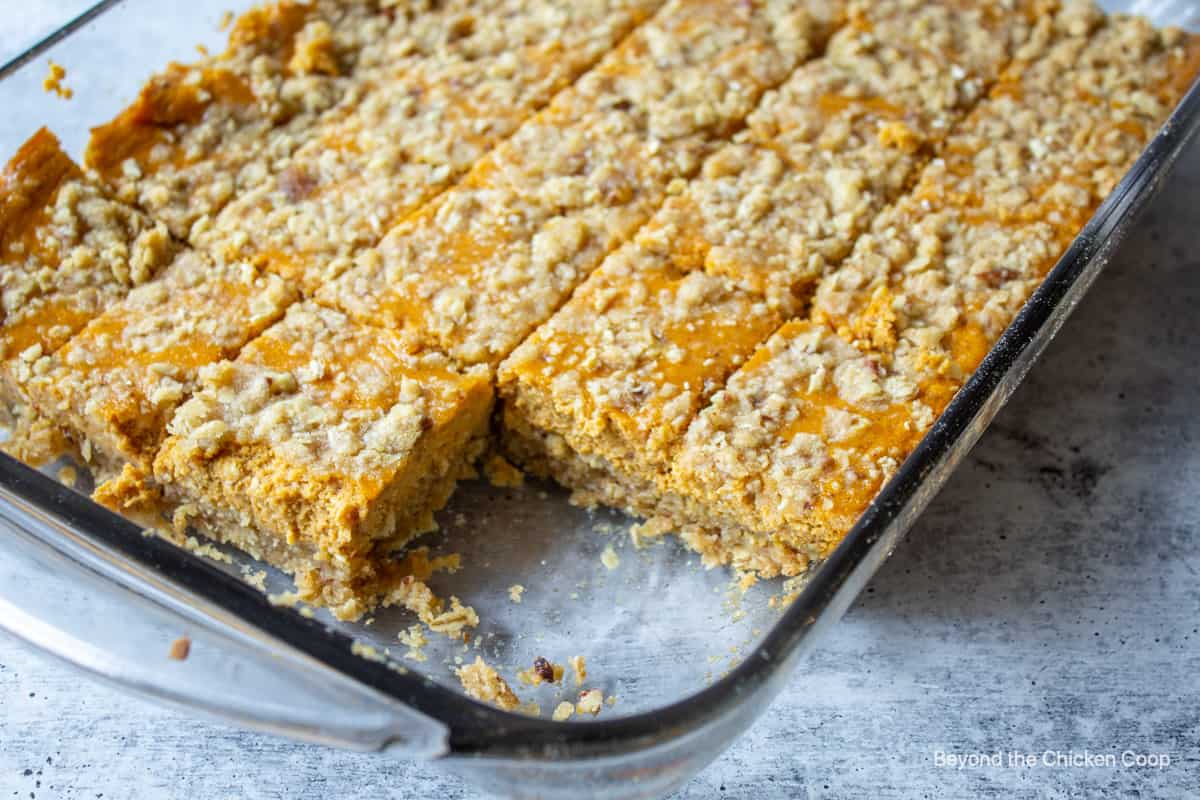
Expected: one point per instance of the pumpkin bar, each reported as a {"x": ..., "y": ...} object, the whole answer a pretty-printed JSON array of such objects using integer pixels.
[
  {"x": 616, "y": 376},
  {"x": 197, "y": 132},
  {"x": 780, "y": 465},
  {"x": 414, "y": 131},
  {"x": 599, "y": 396},
  {"x": 1014, "y": 184},
  {"x": 786, "y": 457},
  {"x": 472, "y": 273},
  {"x": 852, "y": 129},
  {"x": 114, "y": 386},
  {"x": 322, "y": 447},
  {"x": 68, "y": 251}
]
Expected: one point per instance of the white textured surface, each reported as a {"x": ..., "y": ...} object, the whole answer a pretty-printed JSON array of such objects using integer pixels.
[{"x": 1047, "y": 601}]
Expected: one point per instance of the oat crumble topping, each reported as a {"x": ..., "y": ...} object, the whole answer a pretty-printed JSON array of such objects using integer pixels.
[{"x": 483, "y": 683}]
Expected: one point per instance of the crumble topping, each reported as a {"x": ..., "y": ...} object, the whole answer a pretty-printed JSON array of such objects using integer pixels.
[
  {"x": 54, "y": 82},
  {"x": 534, "y": 217},
  {"x": 590, "y": 702},
  {"x": 418, "y": 125},
  {"x": 622, "y": 369},
  {"x": 119, "y": 380},
  {"x": 68, "y": 249},
  {"x": 579, "y": 667},
  {"x": 484, "y": 684}
]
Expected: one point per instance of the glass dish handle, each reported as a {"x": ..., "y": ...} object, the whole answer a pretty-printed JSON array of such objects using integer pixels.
[{"x": 66, "y": 593}]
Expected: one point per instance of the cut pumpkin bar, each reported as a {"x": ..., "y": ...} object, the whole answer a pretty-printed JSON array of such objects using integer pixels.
[
  {"x": 323, "y": 447},
  {"x": 775, "y": 471},
  {"x": 197, "y": 133},
  {"x": 472, "y": 273},
  {"x": 601, "y": 395},
  {"x": 68, "y": 251},
  {"x": 116, "y": 384},
  {"x": 788, "y": 455},
  {"x": 1013, "y": 184},
  {"x": 416, "y": 129}
]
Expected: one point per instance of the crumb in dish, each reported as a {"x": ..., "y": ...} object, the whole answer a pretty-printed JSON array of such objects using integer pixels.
[{"x": 482, "y": 682}]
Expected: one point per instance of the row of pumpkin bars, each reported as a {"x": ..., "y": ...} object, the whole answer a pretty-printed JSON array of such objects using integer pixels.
[{"x": 723, "y": 262}]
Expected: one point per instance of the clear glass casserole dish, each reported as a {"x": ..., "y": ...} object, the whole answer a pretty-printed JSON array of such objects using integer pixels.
[{"x": 691, "y": 661}]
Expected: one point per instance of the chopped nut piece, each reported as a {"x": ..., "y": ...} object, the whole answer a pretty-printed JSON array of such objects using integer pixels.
[
  {"x": 563, "y": 711},
  {"x": 515, "y": 591},
  {"x": 590, "y": 702},
  {"x": 579, "y": 667},
  {"x": 543, "y": 670}
]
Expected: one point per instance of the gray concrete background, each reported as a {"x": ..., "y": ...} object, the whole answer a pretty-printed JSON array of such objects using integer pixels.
[{"x": 1047, "y": 601}]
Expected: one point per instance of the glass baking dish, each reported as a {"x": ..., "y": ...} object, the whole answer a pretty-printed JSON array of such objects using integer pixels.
[{"x": 691, "y": 661}]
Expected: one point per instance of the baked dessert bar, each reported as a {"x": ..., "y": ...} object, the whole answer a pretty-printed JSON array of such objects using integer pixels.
[
  {"x": 1013, "y": 185},
  {"x": 322, "y": 447},
  {"x": 197, "y": 132},
  {"x": 472, "y": 273},
  {"x": 416, "y": 128},
  {"x": 116, "y": 384},
  {"x": 601, "y": 395},
  {"x": 783, "y": 461},
  {"x": 68, "y": 251},
  {"x": 778, "y": 467}
]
